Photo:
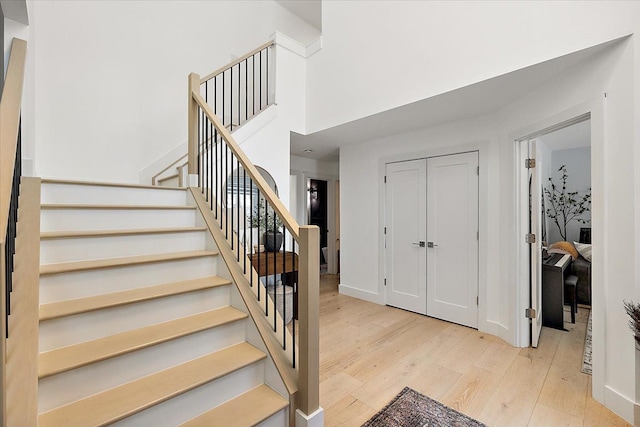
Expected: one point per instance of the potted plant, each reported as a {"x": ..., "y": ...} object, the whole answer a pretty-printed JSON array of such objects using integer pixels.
[
  {"x": 566, "y": 206},
  {"x": 265, "y": 218},
  {"x": 633, "y": 310}
]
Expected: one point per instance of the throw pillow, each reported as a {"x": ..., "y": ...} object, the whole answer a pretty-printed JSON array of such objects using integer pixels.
[
  {"x": 563, "y": 248},
  {"x": 584, "y": 249}
]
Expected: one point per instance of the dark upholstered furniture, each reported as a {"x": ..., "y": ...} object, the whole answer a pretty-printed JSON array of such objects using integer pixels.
[{"x": 582, "y": 268}]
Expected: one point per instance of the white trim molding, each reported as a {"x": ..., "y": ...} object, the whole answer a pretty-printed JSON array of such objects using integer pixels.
[{"x": 296, "y": 47}]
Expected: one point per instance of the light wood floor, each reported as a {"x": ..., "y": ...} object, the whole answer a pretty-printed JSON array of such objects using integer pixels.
[{"x": 368, "y": 353}]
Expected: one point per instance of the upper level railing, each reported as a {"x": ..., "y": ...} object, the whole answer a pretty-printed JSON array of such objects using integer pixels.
[
  {"x": 240, "y": 90},
  {"x": 236, "y": 93},
  {"x": 273, "y": 252},
  {"x": 10, "y": 173}
]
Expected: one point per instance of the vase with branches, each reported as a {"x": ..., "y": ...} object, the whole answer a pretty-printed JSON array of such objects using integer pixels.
[
  {"x": 566, "y": 206},
  {"x": 266, "y": 219}
]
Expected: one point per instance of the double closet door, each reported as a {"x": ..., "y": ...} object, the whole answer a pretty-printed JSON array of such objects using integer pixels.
[{"x": 431, "y": 237}]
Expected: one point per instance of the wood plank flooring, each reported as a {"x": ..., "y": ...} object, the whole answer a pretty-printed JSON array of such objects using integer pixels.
[{"x": 368, "y": 353}]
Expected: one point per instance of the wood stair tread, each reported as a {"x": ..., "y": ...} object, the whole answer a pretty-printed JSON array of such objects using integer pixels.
[
  {"x": 67, "y": 267},
  {"x": 74, "y": 356},
  {"x": 118, "y": 232},
  {"x": 168, "y": 177},
  {"x": 120, "y": 402},
  {"x": 248, "y": 409},
  {"x": 108, "y": 184},
  {"x": 50, "y": 206},
  {"x": 54, "y": 310}
]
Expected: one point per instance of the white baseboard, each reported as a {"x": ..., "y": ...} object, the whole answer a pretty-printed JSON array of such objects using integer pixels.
[
  {"x": 360, "y": 294},
  {"x": 620, "y": 405},
  {"x": 312, "y": 420}
]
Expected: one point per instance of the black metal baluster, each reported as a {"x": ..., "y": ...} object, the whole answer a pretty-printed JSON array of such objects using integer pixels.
[
  {"x": 253, "y": 100},
  {"x": 267, "y": 73},
  {"x": 284, "y": 288},
  {"x": 246, "y": 90},
  {"x": 231, "y": 99},
  {"x": 275, "y": 268},
  {"x": 239, "y": 121},
  {"x": 260, "y": 76},
  {"x": 223, "y": 103},
  {"x": 260, "y": 213},
  {"x": 238, "y": 205},
  {"x": 251, "y": 224},
  {"x": 226, "y": 193},
  {"x": 198, "y": 148},
  {"x": 244, "y": 204},
  {"x": 212, "y": 165}
]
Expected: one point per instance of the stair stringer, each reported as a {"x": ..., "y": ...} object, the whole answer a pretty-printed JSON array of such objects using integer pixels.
[{"x": 279, "y": 374}]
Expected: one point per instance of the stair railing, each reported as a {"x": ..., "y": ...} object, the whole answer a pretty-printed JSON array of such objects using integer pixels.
[
  {"x": 10, "y": 175},
  {"x": 245, "y": 208}
]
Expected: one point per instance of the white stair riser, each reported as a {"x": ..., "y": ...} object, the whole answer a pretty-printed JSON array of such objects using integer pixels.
[
  {"x": 279, "y": 419},
  {"x": 198, "y": 400},
  {"x": 69, "y": 386},
  {"x": 170, "y": 182},
  {"x": 82, "y": 327},
  {"x": 60, "y": 287},
  {"x": 107, "y": 195},
  {"x": 114, "y": 219},
  {"x": 92, "y": 248}
]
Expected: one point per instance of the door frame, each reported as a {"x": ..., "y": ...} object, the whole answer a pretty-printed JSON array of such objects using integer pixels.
[
  {"x": 483, "y": 149},
  {"x": 595, "y": 109}
]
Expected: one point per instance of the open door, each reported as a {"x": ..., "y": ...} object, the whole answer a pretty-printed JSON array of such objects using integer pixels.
[{"x": 535, "y": 231}]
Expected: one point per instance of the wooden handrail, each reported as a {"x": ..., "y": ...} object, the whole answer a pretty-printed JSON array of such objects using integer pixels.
[
  {"x": 9, "y": 129},
  {"x": 273, "y": 200},
  {"x": 236, "y": 61},
  {"x": 10, "y": 121}
]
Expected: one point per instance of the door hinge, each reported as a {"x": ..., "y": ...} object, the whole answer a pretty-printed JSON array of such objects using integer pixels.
[
  {"x": 385, "y": 281},
  {"x": 385, "y": 230},
  {"x": 530, "y": 163},
  {"x": 530, "y": 238},
  {"x": 477, "y": 300},
  {"x": 477, "y": 235},
  {"x": 478, "y": 170},
  {"x": 530, "y": 313},
  {"x": 385, "y": 179}
]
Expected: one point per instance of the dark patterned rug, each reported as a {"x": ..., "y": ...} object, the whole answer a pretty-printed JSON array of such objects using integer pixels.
[{"x": 413, "y": 409}]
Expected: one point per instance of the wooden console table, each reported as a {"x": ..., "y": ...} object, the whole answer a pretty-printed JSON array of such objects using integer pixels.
[
  {"x": 285, "y": 263},
  {"x": 268, "y": 263}
]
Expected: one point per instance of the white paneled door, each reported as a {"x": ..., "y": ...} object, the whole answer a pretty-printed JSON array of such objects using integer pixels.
[
  {"x": 405, "y": 221},
  {"x": 452, "y": 238},
  {"x": 431, "y": 219}
]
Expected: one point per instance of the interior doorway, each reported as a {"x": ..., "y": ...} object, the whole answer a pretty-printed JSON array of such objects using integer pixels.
[
  {"x": 557, "y": 202},
  {"x": 318, "y": 210}
]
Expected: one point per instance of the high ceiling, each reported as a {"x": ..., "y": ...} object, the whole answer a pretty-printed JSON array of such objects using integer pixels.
[{"x": 478, "y": 99}]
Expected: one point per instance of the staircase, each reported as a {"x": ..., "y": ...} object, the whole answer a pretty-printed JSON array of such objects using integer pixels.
[{"x": 140, "y": 323}]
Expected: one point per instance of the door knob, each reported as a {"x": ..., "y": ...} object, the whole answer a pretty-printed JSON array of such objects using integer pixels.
[
  {"x": 431, "y": 245},
  {"x": 420, "y": 243}
]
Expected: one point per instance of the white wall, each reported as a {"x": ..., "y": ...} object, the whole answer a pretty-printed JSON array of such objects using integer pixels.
[
  {"x": 614, "y": 212},
  {"x": 110, "y": 77},
  {"x": 405, "y": 51},
  {"x": 578, "y": 163}
]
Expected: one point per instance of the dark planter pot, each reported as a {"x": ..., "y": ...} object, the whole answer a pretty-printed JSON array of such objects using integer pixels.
[{"x": 272, "y": 241}]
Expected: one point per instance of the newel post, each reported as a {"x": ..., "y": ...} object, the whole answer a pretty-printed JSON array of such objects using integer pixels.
[
  {"x": 194, "y": 86},
  {"x": 309, "y": 413}
]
